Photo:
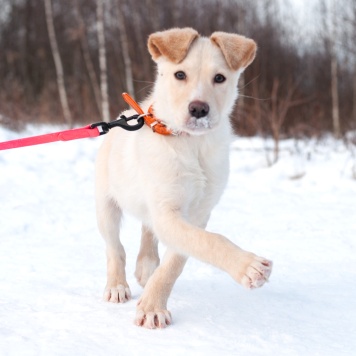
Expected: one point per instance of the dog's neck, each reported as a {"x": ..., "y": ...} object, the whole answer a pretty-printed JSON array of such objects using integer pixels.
[{"x": 160, "y": 126}]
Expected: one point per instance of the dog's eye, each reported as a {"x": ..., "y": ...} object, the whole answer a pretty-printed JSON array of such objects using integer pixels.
[
  {"x": 219, "y": 78},
  {"x": 180, "y": 75}
]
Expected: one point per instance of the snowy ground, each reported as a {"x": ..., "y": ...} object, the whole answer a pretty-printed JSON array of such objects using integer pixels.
[{"x": 52, "y": 260}]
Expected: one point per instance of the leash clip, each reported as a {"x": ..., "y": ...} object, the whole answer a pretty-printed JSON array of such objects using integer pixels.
[{"x": 104, "y": 127}]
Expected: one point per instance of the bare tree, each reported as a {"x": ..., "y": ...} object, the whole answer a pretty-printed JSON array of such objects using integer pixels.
[
  {"x": 354, "y": 100},
  {"x": 125, "y": 48},
  {"x": 330, "y": 30},
  {"x": 80, "y": 34},
  {"x": 141, "y": 41},
  {"x": 347, "y": 40},
  {"x": 334, "y": 74},
  {"x": 353, "y": 51},
  {"x": 57, "y": 62},
  {"x": 102, "y": 61},
  {"x": 241, "y": 30},
  {"x": 277, "y": 111}
]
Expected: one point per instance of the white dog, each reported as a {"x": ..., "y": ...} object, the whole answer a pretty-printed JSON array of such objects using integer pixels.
[{"x": 172, "y": 182}]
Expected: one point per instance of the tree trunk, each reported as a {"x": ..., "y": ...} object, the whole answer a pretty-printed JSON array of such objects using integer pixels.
[
  {"x": 241, "y": 31},
  {"x": 58, "y": 63},
  {"x": 177, "y": 7},
  {"x": 275, "y": 120},
  {"x": 335, "y": 98},
  {"x": 87, "y": 59},
  {"x": 257, "y": 112},
  {"x": 141, "y": 43},
  {"x": 334, "y": 74},
  {"x": 354, "y": 103},
  {"x": 102, "y": 61},
  {"x": 125, "y": 51}
]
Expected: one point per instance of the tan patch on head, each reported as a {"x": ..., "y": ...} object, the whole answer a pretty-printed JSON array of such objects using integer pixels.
[
  {"x": 239, "y": 51},
  {"x": 173, "y": 44}
]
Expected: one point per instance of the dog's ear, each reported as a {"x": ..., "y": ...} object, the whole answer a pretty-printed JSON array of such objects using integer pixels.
[
  {"x": 238, "y": 51},
  {"x": 173, "y": 44}
]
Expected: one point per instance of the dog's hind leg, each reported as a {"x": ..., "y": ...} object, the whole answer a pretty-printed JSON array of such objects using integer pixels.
[
  {"x": 109, "y": 217},
  {"x": 148, "y": 258}
]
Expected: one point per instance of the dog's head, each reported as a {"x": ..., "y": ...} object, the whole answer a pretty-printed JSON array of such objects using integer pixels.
[{"x": 196, "y": 85}]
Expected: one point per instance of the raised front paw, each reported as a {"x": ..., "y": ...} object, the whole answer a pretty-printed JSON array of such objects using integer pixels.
[
  {"x": 256, "y": 272},
  {"x": 117, "y": 294},
  {"x": 152, "y": 317}
]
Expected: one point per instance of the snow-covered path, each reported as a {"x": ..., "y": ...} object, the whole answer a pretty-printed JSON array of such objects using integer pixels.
[{"x": 52, "y": 260}]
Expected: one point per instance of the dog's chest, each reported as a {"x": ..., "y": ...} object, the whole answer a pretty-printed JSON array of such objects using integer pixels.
[
  {"x": 194, "y": 179},
  {"x": 201, "y": 178},
  {"x": 183, "y": 175}
]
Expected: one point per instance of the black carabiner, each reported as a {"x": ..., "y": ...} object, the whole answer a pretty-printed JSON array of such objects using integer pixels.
[{"x": 104, "y": 127}]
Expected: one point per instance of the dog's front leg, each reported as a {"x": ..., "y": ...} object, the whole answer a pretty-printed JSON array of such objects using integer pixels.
[
  {"x": 245, "y": 267},
  {"x": 152, "y": 307},
  {"x": 109, "y": 215}
]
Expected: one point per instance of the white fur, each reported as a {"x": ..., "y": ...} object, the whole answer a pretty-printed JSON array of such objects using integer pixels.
[{"x": 172, "y": 183}]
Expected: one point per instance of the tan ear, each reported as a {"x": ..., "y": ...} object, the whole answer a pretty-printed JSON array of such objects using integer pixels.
[
  {"x": 173, "y": 44},
  {"x": 238, "y": 51}
]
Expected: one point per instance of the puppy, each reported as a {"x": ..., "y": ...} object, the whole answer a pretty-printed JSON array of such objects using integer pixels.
[{"x": 172, "y": 182}]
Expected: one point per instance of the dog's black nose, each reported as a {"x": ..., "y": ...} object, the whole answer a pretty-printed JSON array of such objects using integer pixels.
[{"x": 198, "y": 109}]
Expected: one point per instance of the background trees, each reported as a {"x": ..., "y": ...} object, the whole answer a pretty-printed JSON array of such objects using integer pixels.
[{"x": 288, "y": 90}]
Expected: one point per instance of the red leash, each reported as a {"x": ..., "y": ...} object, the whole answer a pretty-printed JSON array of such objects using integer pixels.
[
  {"x": 97, "y": 129},
  {"x": 93, "y": 130},
  {"x": 66, "y": 135}
]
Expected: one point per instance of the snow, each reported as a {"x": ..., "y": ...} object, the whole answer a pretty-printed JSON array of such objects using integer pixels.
[{"x": 301, "y": 213}]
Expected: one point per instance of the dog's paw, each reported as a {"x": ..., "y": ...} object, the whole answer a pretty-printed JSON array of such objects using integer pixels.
[
  {"x": 256, "y": 273},
  {"x": 153, "y": 319},
  {"x": 144, "y": 269},
  {"x": 117, "y": 294},
  {"x": 152, "y": 313}
]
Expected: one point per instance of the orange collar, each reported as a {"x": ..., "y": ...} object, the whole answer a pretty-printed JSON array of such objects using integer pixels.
[{"x": 155, "y": 124}]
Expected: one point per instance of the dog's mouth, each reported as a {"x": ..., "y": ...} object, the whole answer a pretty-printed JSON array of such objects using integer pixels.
[
  {"x": 198, "y": 120},
  {"x": 198, "y": 126}
]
